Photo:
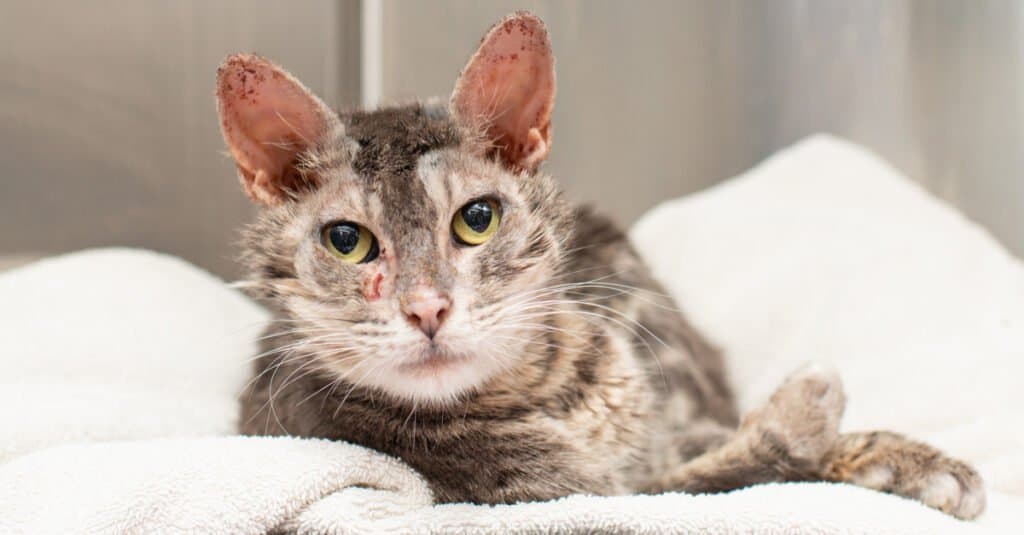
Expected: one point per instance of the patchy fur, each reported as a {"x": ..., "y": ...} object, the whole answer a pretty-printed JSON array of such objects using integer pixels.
[{"x": 560, "y": 367}]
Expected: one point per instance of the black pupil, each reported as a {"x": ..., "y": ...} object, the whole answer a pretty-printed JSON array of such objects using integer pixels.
[
  {"x": 344, "y": 237},
  {"x": 477, "y": 215}
]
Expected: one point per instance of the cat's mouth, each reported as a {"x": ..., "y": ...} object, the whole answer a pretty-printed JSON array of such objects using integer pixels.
[
  {"x": 436, "y": 371},
  {"x": 432, "y": 360}
]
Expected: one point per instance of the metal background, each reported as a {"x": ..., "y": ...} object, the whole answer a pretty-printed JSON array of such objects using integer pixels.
[{"x": 108, "y": 134}]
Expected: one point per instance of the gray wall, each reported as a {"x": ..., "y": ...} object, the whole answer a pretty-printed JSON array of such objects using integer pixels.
[
  {"x": 661, "y": 98},
  {"x": 108, "y": 128},
  {"x": 108, "y": 133}
]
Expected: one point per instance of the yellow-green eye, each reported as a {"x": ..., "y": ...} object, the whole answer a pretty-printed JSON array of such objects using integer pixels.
[
  {"x": 476, "y": 222},
  {"x": 350, "y": 242}
]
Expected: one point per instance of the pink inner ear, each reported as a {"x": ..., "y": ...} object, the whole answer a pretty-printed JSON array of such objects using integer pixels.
[
  {"x": 509, "y": 88},
  {"x": 267, "y": 118}
]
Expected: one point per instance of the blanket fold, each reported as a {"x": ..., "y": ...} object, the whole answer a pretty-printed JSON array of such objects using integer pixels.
[{"x": 280, "y": 484}]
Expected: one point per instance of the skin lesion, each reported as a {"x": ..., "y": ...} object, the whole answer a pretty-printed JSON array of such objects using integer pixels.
[
  {"x": 577, "y": 411},
  {"x": 372, "y": 287}
]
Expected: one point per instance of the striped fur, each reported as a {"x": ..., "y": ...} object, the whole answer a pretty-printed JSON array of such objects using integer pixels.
[{"x": 561, "y": 367}]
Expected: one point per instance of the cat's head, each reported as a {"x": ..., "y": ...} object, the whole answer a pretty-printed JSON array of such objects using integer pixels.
[{"x": 405, "y": 247}]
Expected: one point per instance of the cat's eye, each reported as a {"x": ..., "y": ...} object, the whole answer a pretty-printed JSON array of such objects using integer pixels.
[
  {"x": 350, "y": 242},
  {"x": 476, "y": 222}
]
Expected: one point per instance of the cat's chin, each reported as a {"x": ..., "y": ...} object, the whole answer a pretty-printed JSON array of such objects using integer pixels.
[{"x": 435, "y": 375}]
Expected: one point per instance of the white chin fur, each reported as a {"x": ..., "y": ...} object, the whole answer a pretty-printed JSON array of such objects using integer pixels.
[{"x": 436, "y": 383}]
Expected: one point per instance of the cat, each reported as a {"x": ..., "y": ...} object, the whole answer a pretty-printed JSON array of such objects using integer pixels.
[{"x": 438, "y": 299}]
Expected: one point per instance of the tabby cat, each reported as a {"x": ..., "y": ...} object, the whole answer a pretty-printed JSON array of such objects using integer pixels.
[{"x": 438, "y": 299}]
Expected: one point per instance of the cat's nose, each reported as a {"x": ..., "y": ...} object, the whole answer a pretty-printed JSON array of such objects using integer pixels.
[{"x": 427, "y": 309}]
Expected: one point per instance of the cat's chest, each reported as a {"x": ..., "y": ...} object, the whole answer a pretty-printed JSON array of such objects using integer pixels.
[{"x": 469, "y": 452}]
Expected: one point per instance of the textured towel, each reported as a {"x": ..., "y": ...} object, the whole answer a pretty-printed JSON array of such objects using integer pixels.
[
  {"x": 121, "y": 369},
  {"x": 254, "y": 485}
]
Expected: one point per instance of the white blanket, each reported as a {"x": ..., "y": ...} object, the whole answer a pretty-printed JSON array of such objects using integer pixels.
[{"x": 120, "y": 370}]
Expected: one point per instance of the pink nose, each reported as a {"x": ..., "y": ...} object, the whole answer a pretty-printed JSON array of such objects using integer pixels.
[{"x": 427, "y": 310}]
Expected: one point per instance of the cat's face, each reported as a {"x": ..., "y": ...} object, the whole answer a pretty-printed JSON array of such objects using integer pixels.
[{"x": 408, "y": 248}]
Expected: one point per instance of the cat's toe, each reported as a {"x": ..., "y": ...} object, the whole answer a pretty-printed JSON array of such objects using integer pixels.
[
  {"x": 954, "y": 488},
  {"x": 893, "y": 463},
  {"x": 817, "y": 385},
  {"x": 802, "y": 416}
]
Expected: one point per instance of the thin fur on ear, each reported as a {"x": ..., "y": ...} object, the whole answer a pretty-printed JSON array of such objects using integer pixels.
[
  {"x": 507, "y": 90},
  {"x": 268, "y": 118}
]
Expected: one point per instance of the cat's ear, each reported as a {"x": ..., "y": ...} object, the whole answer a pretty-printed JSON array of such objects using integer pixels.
[
  {"x": 268, "y": 118},
  {"x": 507, "y": 91}
]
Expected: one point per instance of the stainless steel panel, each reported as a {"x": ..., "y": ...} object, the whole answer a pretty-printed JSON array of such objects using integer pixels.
[
  {"x": 108, "y": 134},
  {"x": 108, "y": 128},
  {"x": 660, "y": 98}
]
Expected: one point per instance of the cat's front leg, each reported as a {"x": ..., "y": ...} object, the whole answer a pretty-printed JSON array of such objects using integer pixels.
[
  {"x": 893, "y": 463},
  {"x": 784, "y": 440},
  {"x": 794, "y": 437}
]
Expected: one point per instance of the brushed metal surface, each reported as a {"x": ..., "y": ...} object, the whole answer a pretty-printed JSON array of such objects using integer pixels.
[
  {"x": 108, "y": 134},
  {"x": 108, "y": 126},
  {"x": 661, "y": 98}
]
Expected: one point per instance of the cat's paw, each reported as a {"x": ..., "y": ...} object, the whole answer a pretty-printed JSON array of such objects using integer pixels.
[
  {"x": 800, "y": 422},
  {"x": 892, "y": 463}
]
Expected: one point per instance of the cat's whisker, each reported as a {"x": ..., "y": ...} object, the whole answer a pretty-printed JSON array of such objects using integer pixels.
[
  {"x": 314, "y": 367},
  {"x": 632, "y": 291},
  {"x": 533, "y": 341},
  {"x": 336, "y": 382},
  {"x": 355, "y": 385},
  {"x": 270, "y": 400},
  {"x": 412, "y": 411},
  {"x": 283, "y": 348},
  {"x": 572, "y": 333},
  {"x": 517, "y": 298},
  {"x": 699, "y": 377},
  {"x": 288, "y": 353}
]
